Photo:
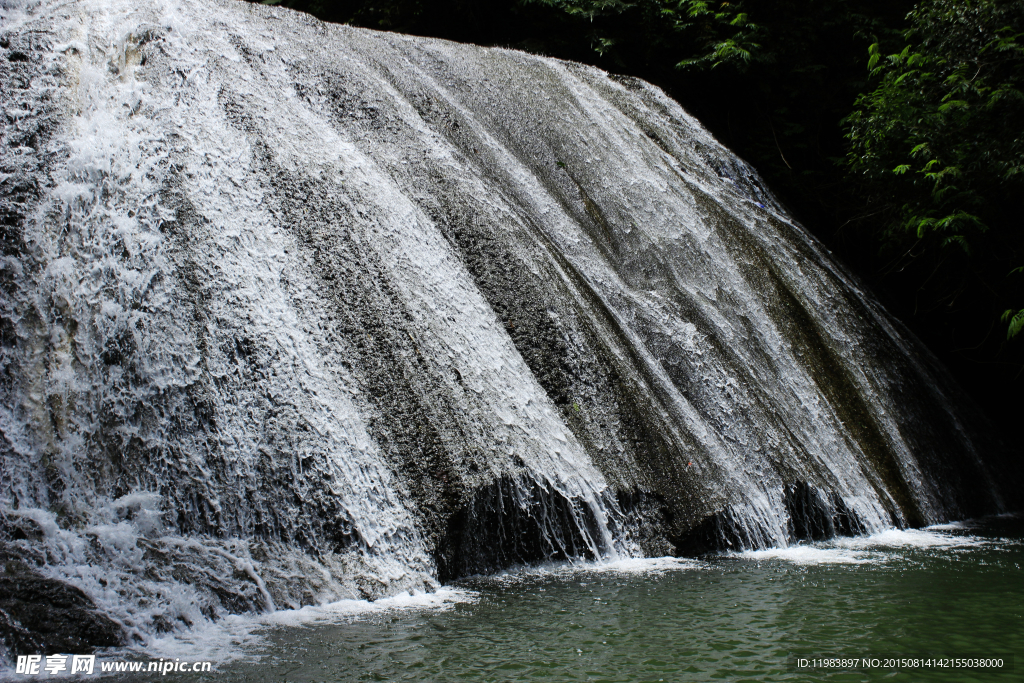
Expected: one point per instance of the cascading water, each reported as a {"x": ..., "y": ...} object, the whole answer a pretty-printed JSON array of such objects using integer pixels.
[{"x": 295, "y": 312}]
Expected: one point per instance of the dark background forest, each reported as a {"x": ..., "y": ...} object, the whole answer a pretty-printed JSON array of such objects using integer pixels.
[{"x": 893, "y": 130}]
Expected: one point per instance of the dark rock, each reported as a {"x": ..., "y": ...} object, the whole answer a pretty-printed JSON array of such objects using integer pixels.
[{"x": 39, "y": 615}]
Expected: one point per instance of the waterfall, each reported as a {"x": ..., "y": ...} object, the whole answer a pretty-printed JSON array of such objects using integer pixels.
[{"x": 295, "y": 312}]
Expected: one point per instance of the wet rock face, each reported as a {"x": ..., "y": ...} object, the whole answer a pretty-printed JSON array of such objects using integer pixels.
[
  {"x": 295, "y": 312},
  {"x": 44, "y": 616}
]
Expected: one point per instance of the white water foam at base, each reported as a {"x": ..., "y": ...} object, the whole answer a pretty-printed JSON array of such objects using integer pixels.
[
  {"x": 244, "y": 637},
  {"x": 574, "y": 570},
  {"x": 931, "y": 537},
  {"x": 809, "y": 555},
  {"x": 878, "y": 548},
  {"x": 440, "y": 600}
]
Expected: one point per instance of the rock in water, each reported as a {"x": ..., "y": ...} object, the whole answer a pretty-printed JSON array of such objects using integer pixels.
[
  {"x": 295, "y": 312},
  {"x": 39, "y": 614}
]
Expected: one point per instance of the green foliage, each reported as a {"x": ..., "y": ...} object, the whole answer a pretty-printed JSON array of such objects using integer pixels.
[
  {"x": 1016, "y": 322},
  {"x": 710, "y": 33},
  {"x": 938, "y": 145}
]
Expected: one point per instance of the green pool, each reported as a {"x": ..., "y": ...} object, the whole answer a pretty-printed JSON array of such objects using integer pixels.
[{"x": 934, "y": 595}]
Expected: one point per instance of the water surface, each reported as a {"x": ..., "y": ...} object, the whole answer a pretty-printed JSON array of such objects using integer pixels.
[{"x": 949, "y": 591}]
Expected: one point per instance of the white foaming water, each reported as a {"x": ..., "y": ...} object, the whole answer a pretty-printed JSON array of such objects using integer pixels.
[
  {"x": 878, "y": 548},
  {"x": 643, "y": 565},
  {"x": 244, "y": 637},
  {"x": 576, "y": 570},
  {"x": 809, "y": 555},
  {"x": 442, "y": 599},
  {"x": 931, "y": 537}
]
